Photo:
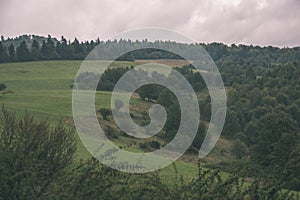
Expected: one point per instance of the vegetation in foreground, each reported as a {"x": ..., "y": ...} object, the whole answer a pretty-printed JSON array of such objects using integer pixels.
[
  {"x": 37, "y": 162},
  {"x": 261, "y": 129}
]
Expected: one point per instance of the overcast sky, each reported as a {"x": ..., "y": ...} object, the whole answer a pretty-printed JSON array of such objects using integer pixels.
[{"x": 258, "y": 22}]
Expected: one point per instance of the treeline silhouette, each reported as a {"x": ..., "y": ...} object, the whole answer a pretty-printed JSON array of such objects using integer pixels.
[{"x": 37, "y": 48}]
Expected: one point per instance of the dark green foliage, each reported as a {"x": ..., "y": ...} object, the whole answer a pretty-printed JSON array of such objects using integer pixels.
[
  {"x": 126, "y": 57},
  {"x": 166, "y": 98},
  {"x": 11, "y": 53},
  {"x": 77, "y": 49},
  {"x": 105, "y": 113},
  {"x": 277, "y": 137},
  {"x": 250, "y": 74},
  {"x": 110, "y": 77},
  {"x": 263, "y": 120},
  {"x": 22, "y": 52},
  {"x": 232, "y": 124},
  {"x": 266, "y": 111},
  {"x": 154, "y": 144},
  {"x": 197, "y": 142},
  {"x": 35, "y": 50},
  {"x": 48, "y": 51},
  {"x": 143, "y": 145},
  {"x": 63, "y": 50},
  {"x": 210, "y": 185},
  {"x": 229, "y": 58},
  {"x": 37, "y": 162},
  {"x": 33, "y": 155},
  {"x": 3, "y": 53},
  {"x": 149, "y": 92},
  {"x": 2, "y": 86},
  {"x": 239, "y": 149},
  {"x": 254, "y": 109},
  {"x": 194, "y": 78},
  {"x": 110, "y": 132}
]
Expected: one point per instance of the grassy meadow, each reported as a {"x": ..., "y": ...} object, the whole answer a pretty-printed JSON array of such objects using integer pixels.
[{"x": 44, "y": 90}]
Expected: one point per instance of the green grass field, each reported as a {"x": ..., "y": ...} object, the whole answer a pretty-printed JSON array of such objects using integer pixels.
[{"x": 44, "y": 90}]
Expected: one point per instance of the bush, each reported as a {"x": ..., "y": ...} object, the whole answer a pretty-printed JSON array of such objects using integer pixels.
[
  {"x": 33, "y": 155},
  {"x": 239, "y": 149},
  {"x": 2, "y": 86},
  {"x": 154, "y": 144},
  {"x": 105, "y": 113},
  {"x": 143, "y": 145},
  {"x": 111, "y": 132}
]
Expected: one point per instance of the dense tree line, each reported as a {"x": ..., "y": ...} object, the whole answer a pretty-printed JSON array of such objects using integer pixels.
[
  {"x": 264, "y": 116},
  {"x": 150, "y": 92},
  {"x": 33, "y": 48},
  {"x": 38, "y": 162},
  {"x": 110, "y": 77}
]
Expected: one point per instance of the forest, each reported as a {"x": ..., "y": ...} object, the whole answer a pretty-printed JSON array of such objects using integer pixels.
[
  {"x": 36, "y": 48},
  {"x": 262, "y": 116},
  {"x": 38, "y": 160}
]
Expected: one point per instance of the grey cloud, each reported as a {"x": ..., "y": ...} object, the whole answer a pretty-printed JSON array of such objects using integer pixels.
[{"x": 262, "y": 22}]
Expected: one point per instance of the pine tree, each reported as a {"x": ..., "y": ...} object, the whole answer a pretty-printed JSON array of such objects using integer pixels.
[
  {"x": 63, "y": 49},
  {"x": 3, "y": 53},
  {"x": 11, "y": 53},
  {"x": 48, "y": 50},
  {"x": 78, "y": 51},
  {"x": 22, "y": 52},
  {"x": 35, "y": 50}
]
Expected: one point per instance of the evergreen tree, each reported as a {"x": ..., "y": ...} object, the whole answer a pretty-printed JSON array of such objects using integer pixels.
[
  {"x": 3, "y": 53},
  {"x": 22, "y": 52},
  {"x": 63, "y": 49},
  {"x": 277, "y": 137},
  {"x": 78, "y": 50},
  {"x": 35, "y": 50},
  {"x": 48, "y": 50},
  {"x": 11, "y": 53}
]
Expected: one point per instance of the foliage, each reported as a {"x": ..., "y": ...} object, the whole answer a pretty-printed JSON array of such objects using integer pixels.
[
  {"x": 239, "y": 149},
  {"x": 37, "y": 162},
  {"x": 234, "y": 57},
  {"x": 266, "y": 110},
  {"x": 263, "y": 122},
  {"x": 2, "y": 86},
  {"x": 33, "y": 155},
  {"x": 105, "y": 113}
]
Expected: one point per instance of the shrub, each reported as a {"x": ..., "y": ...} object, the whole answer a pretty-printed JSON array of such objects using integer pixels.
[
  {"x": 154, "y": 144},
  {"x": 105, "y": 113},
  {"x": 2, "y": 86},
  {"x": 33, "y": 155}
]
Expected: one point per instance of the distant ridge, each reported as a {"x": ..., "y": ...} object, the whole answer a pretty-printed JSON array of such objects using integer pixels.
[
  {"x": 38, "y": 48},
  {"x": 28, "y": 40}
]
